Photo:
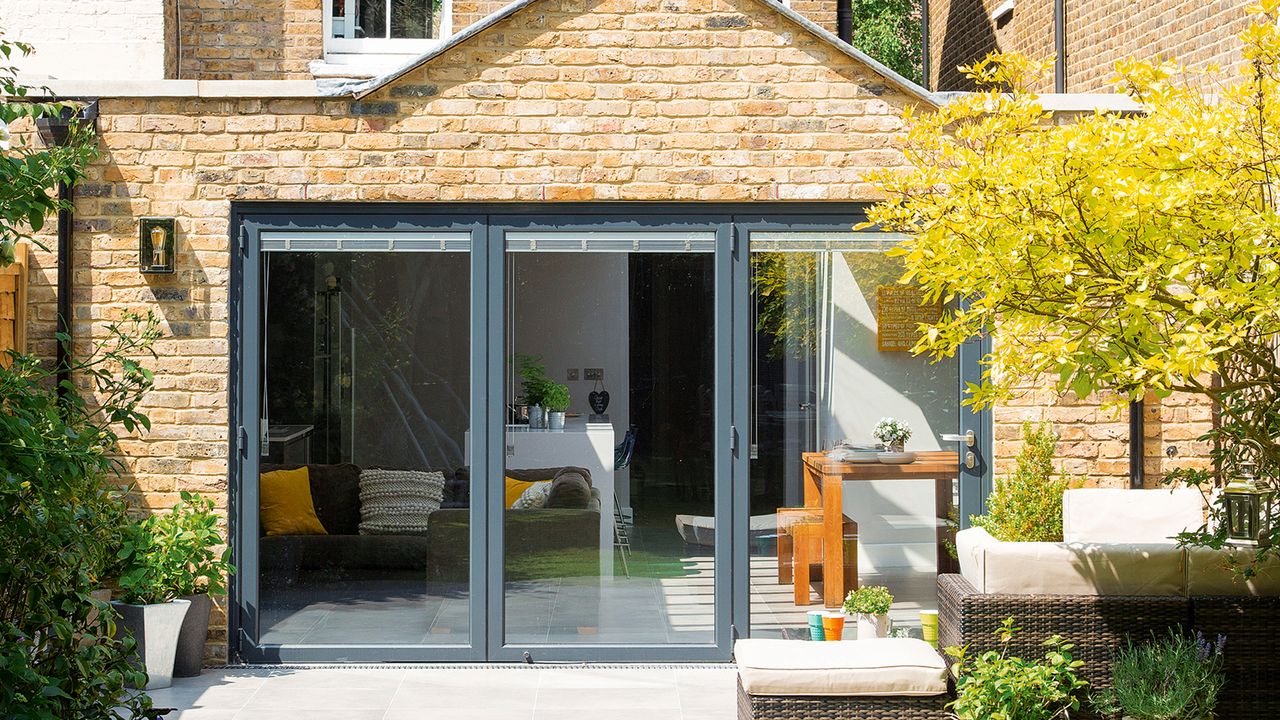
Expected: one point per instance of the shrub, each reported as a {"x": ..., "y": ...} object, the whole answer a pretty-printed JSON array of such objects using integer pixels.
[
  {"x": 1026, "y": 506},
  {"x": 869, "y": 600},
  {"x": 555, "y": 397},
  {"x": 64, "y": 521},
  {"x": 1172, "y": 678},
  {"x": 995, "y": 686},
  {"x": 172, "y": 555}
]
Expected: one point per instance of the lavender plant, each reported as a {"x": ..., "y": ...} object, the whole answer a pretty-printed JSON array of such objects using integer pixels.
[{"x": 1177, "y": 677}]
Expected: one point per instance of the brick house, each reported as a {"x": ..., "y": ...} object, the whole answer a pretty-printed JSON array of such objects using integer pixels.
[
  {"x": 380, "y": 208},
  {"x": 1092, "y": 34}
]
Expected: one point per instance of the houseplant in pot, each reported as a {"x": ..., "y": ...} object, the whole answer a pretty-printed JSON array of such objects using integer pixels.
[
  {"x": 533, "y": 385},
  {"x": 1176, "y": 677},
  {"x": 893, "y": 433},
  {"x": 869, "y": 607},
  {"x": 149, "y": 608},
  {"x": 556, "y": 399},
  {"x": 192, "y": 537}
]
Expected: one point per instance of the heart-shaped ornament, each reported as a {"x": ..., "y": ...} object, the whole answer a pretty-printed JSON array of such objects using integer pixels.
[{"x": 598, "y": 400}]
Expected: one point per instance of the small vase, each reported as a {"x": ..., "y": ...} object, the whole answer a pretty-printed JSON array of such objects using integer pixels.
[
  {"x": 537, "y": 420},
  {"x": 872, "y": 626},
  {"x": 897, "y": 447}
]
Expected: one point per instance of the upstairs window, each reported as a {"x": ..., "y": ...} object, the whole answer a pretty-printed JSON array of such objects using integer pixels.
[{"x": 385, "y": 26}]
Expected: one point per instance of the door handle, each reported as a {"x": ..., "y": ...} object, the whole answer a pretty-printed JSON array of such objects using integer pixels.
[
  {"x": 968, "y": 438},
  {"x": 970, "y": 459}
]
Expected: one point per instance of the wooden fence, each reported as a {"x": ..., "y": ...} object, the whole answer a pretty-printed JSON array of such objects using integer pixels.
[{"x": 13, "y": 304}]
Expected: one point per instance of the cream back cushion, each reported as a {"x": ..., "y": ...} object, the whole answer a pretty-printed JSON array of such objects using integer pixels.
[
  {"x": 398, "y": 502},
  {"x": 1108, "y": 515}
]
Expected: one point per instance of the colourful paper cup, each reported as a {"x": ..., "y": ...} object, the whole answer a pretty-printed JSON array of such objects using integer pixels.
[
  {"x": 833, "y": 625},
  {"x": 815, "y": 625}
]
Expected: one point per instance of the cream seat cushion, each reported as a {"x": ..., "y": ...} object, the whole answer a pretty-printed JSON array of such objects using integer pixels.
[
  {"x": 1110, "y": 515},
  {"x": 1208, "y": 573},
  {"x": 882, "y": 667},
  {"x": 1034, "y": 568}
]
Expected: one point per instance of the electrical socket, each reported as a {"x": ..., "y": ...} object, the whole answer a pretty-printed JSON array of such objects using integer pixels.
[
  {"x": 573, "y": 374},
  {"x": 593, "y": 373}
]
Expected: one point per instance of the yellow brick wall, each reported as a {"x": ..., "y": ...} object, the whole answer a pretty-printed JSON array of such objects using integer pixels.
[
  {"x": 659, "y": 100},
  {"x": 249, "y": 39},
  {"x": 1199, "y": 33}
]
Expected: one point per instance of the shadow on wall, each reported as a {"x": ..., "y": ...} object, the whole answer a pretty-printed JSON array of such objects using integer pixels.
[{"x": 968, "y": 36}]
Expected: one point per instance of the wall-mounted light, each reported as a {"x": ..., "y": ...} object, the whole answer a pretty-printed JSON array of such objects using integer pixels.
[{"x": 156, "y": 244}]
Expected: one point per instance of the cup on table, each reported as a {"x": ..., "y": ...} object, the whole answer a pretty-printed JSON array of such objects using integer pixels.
[
  {"x": 929, "y": 626},
  {"x": 833, "y": 625},
  {"x": 815, "y": 625}
]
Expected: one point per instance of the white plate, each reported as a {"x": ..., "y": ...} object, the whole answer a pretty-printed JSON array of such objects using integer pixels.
[
  {"x": 896, "y": 458},
  {"x": 853, "y": 456}
]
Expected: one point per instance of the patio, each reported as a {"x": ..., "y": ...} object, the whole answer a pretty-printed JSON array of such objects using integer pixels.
[{"x": 457, "y": 692}]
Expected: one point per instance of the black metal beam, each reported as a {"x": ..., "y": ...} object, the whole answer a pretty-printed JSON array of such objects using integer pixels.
[
  {"x": 1060, "y": 46},
  {"x": 844, "y": 20},
  {"x": 1137, "y": 444}
]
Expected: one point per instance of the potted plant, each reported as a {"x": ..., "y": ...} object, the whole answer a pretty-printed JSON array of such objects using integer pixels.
[
  {"x": 191, "y": 534},
  {"x": 534, "y": 382},
  {"x": 869, "y": 607},
  {"x": 994, "y": 684},
  {"x": 149, "y": 607},
  {"x": 893, "y": 433},
  {"x": 1171, "y": 678},
  {"x": 556, "y": 399}
]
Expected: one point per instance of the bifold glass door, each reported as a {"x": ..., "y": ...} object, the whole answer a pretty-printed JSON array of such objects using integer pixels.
[
  {"x": 609, "y": 492},
  {"x": 595, "y": 436}
]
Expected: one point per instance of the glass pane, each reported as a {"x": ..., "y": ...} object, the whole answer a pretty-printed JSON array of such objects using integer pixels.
[
  {"x": 371, "y": 18},
  {"x": 829, "y": 362},
  {"x": 610, "y": 519},
  {"x": 415, "y": 18},
  {"x": 363, "y": 484},
  {"x": 339, "y": 18}
]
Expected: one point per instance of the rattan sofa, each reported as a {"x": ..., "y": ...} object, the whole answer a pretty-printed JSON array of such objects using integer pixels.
[{"x": 1118, "y": 577}]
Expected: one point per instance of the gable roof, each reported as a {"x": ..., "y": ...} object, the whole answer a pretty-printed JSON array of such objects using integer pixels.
[{"x": 359, "y": 89}]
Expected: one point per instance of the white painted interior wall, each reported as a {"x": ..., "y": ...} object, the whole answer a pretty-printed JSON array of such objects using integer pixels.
[
  {"x": 573, "y": 309},
  {"x": 858, "y": 385}
]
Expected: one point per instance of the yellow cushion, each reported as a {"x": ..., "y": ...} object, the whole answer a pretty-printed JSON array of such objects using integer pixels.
[
  {"x": 285, "y": 506},
  {"x": 516, "y": 488}
]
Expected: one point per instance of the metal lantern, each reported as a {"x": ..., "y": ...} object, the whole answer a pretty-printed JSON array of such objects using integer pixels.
[
  {"x": 156, "y": 244},
  {"x": 1250, "y": 511}
]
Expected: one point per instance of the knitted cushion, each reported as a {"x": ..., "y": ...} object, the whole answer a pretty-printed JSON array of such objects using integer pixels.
[
  {"x": 533, "y": 498},
  {"x": 398, "y": 502}
]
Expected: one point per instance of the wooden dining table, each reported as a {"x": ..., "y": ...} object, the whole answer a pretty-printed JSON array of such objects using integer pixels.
[{"x": 824, "y": 481}]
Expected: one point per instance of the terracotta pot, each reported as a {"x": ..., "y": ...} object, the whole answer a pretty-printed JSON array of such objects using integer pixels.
[{"x": 195, "y": 630}]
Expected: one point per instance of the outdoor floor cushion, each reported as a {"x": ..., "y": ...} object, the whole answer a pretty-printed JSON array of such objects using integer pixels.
[{"x": 858, "y": 668}]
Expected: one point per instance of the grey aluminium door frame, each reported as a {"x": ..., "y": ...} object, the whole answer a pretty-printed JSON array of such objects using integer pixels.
[{"x": 488, "y": 223}]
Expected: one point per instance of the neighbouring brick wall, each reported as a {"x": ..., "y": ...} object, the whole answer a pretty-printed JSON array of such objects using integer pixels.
[
  {"x": 1196, "y": 32},
  {"x": 822, "y": 12},
  {"x": 661, "y": 100},
  {"x": 962, "y": 32},
  {"x": 1099, "y": 33},
  {"x": 249, "y": 39}
]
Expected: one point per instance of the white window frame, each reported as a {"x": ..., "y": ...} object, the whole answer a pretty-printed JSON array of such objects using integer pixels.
[{"x": 384, "y": 46}]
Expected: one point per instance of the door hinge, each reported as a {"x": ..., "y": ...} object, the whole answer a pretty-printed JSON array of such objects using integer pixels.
[
  {"x": 733, "y": 439},
  {"x": 242, "y": 441},
  {"x": 244, "y": 241},
  {"x": 733, "y": 241}
]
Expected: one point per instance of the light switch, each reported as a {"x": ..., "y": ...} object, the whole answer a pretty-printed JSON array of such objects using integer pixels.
[
  {"x": 573, "y": 374},
  {"x": 593, "y": 373}
]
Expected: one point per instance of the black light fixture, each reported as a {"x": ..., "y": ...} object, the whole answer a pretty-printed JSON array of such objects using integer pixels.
[{"x": 156, "y": 244}]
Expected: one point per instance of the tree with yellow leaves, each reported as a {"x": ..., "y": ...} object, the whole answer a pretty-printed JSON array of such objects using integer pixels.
[{"x": 1131, "y": 252}]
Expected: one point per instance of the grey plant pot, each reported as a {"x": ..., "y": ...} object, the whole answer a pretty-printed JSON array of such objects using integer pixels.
[
  {"x": 156, "y": 629},
  {"x": 555, "y": 420},
  {"x": 191, "y": 639}
]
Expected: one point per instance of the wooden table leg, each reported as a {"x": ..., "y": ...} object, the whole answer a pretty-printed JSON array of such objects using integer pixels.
[{"x": 833, "y": 590}]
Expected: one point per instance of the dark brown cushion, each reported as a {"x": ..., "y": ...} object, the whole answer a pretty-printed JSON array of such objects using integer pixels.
[{"x": 571, "y": 488}]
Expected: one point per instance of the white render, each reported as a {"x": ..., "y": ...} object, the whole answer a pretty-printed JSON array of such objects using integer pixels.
[{"x": 88, "y": 39}]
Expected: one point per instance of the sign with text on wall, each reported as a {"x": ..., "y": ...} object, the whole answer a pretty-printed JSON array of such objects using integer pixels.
[{"x": 899, "y": 311}]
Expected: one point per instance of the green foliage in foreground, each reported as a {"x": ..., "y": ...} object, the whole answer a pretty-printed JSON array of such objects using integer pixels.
[
  {"x": 174, "y": 554},
  {"x": 996, "y": 686},
  {"x": 1026, "y": 506},
  {"x": 1171, "y": 678},
  {"x": 64, "y": 520}
]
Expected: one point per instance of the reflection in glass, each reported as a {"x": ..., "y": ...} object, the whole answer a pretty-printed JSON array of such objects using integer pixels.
[
  {"x": 609, "y": 522},
  {"x": 363, "y": 477},
  {"x": 819, "y": 378}
]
